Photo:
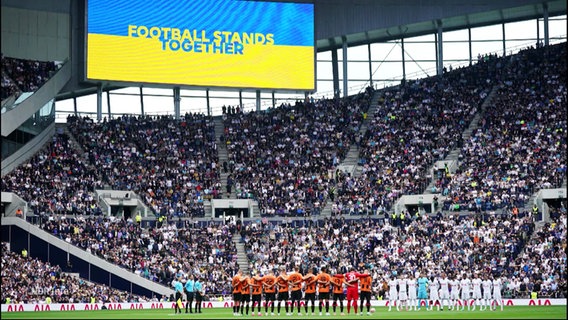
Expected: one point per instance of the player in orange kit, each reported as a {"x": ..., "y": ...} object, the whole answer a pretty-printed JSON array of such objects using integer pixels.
[
  {"x": 310, "y": 283},
  {"x": 237, "y": 286},
  {"x": 295, "y": 280},
  {"x": 269, "y": 285},
  {"x": 283, "y": 286}
]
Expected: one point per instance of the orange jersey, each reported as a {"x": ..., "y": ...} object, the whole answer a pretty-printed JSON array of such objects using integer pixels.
[
  {"x": 246, "y": 282},
  {"x": 310, "y": 283},
  {"x": 295, "y": 280},
  {"x": 237, "y": 284},
  {"x": 324, "y": 277},
  {"x": 365, "y": 283},
  {"x": 337, "y": 281},
  {"x": 282, "y": 283},
  {"x": 257, "y": 288},
  {"x": 269, "y": 280}
]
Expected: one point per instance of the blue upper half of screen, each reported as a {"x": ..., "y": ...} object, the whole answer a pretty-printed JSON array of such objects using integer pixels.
[{"x": 291, "y": 23}]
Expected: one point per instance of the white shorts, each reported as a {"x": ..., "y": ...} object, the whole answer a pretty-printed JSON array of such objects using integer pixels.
[
  {"x": 497, "y": 296},
  {"x": 393, "y": 295},
  {"x": 412, "y": 295},
  {"x": 454, "y": 295},
  {"x": 476, "y": 294},
  {"x": 465, "y": 294},
  {"x": 487, "y": 295},
  {"x": 444, "y": 294},
  {"x": 434, "y": 295},
  {"x": 402, "y": 295}
]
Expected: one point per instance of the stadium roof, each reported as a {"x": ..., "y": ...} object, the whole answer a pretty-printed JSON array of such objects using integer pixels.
[
  {"x": 354, "y": 22},
  {"x": 416, "y": 17}
]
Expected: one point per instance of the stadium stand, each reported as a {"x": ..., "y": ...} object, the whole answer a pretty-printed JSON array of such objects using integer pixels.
[
  {"x": 30, "y": 280},
  {"x": 21, "y": 75},
  {"x": 414, "y": 125},
  {"x": 57, "y": 180},
  {"x": 285, "y": 157},
  {"x": 172, "y": 164},
  {"x": 521, "y": 139},
  {"x": 158, "y": 254}
]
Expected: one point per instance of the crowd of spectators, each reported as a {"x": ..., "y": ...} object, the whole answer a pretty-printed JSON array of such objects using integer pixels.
[
  {"x": 160, "y": 253},
  {"x": 21, "y": 75},
  {"x": 56, "y": 180},
  {"x": 543, "y": 260},
  {"x": 488, "y": 244},
  {"x": 519, "y": 146},
  {"x": 285, "y": 157},
  {"x": 171, "y": 163},
  {"x": 30, "y": 280},
  {"x": 414, "y": 125}
]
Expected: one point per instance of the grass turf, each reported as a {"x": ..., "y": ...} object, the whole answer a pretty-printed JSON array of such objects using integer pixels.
[{"x": 533, "y": 312}]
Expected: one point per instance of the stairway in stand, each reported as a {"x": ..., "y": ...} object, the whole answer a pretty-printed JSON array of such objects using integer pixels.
[
  {"x": 242, "y": 259},
  {"x": 223, "y": 157},
  {"x": 352, "y": 158}
]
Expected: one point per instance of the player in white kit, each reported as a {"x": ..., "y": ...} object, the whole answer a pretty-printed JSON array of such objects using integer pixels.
[
  {"x": 497, "y": 284},
  {"x": 454, "y": 292},
  {"x": 412, "y": 300},
  {"x": 476, "y": 284},
  {"x": 465, "y": 287},
  {"x": 434, "y": 296},
  {"x": 487, "y": 285},
  {"x": 444, "y": 290},
  {"x": 393, "y": 293},
  {"x": 402, "y": 293}
]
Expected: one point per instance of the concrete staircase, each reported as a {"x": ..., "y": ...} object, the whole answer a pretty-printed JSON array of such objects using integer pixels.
[
  {"x": 242, "y": 259},
  {"x": 352, "y": 158},
  {"x": 62, "y": 127},
  {"x": 223, "y": 154},
  {"x": 466, "y": 134},
  {"x": 454, "y": 154}
]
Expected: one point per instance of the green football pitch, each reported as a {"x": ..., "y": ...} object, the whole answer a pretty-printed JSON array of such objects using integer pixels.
[{"x": 533, "y": 312}]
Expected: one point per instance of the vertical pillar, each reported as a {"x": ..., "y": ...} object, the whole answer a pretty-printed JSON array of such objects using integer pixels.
[
  {"x": 370, "y": 65},
  {"x": 440, "y": 57},
  {"x": 241, "y": 99},
  {"x": 504, "y": 42},
  {"x": 537, "y": 31},
  {"x": 545, "y": 18},
  {"x": 108, "y": 104},
  {"x": 273, "y": 100},
  {"x": 75, "y": 105},
  {"x": 177, "y": 100},
  {"x": 335, "y": 70},
  {"x": 99, "y": 102},
  {"x": 207, "y": 101},
  {"x": 436, "y": 49},
  {"x": 403, "y": 60},
  {"x": 141, "y": 101},
  {"x": 469, "y": 45},
  {"x": 257, "y": 100},
  {"x": 345, "y": 84}
]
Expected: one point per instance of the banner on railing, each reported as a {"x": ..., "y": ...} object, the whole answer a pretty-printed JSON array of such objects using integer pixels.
[{"x": 215, "y": 304}]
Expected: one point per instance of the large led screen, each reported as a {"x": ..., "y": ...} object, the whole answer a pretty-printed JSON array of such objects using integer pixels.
[{"x": 208, "y": 43}]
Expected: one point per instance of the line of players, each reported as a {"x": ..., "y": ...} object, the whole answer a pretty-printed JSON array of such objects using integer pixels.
[
  {"x": 292, "y": 288},
  {"x": 403, "y": 292}
]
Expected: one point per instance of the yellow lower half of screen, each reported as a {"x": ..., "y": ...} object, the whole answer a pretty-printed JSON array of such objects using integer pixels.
[{"x": 117, "y": 58}]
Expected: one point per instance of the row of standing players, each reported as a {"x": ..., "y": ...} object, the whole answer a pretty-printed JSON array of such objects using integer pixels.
[
  {"x": 446, "y": 291},
  {"x": 405, "y": 292},
  {"x": 292, "y": 288}
]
